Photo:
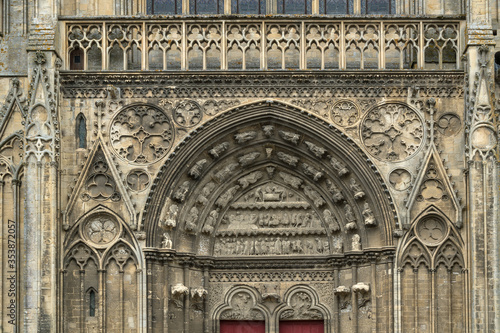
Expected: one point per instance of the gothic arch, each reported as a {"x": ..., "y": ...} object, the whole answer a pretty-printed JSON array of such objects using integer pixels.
[
  {"x": 237, "y": 152},
  {"x": 241, "y": 303}
]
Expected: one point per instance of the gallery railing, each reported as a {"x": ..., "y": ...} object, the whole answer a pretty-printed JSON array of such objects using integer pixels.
[{"x": 269, "y": 44}]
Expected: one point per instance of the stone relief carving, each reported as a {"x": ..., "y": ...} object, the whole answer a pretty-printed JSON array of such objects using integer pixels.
[
  {"x": 363, "y": 291},
  {"x": 344, "y": 295},
  {"x": 271, "y": 246},
  {"x": 242, "y": 308},
  {"x": 138, "y": 180},
  {"x": 368, "y": 215},
  {"x": 166, "y": 242},
  {"x": 301, "y": 303},
  {"x": 449, "y": 124},
  {"x": 170, "y": 219},
  {"x": 312, "y": 172},
  {"x": 315, "y": 149},
  {"x": 288, "y": 159},
  {"x": 213, "y": 107},
  {"x": 197, "y": 168},
  {"x": 392, "y": 132},
  {"x": 280, "y": 276},
  {"x": 314, "y": 196},
  {"x": 205, "y": 193},
  {"x": 400, "y": 179},
  {"x": 335, "y": 191},
  {"x": 224, "y": 199},
  {"x": 100, "y": 184},
  {"x": 317, "y": 106},
  {"x": 191, "y": 220},
  {"x": 217, "y": 150},
  {"x": 293, "y": 181},
  {"x": 209, "y": 225},
  {"x": 187, "y": 113},
  {"x": 181, "y": 192},
  {"x": 290, "y": 136},
  {"x": 349, "y": 216},
  {"x": 268, "y": 130},
  {"x": 141, "y": 134},
  {"x": 226, "y": 172},
  {"x": 356, "y": 189},
  {"x": 356, "y": 243},
  {"x": 331, "y": 221},
  {"x": 245, "y": 136},
  {"x": 248, "y": 158},
  {"x": 345, "y": 113},
  {"x": 270, "y": 292},
  {"x": 100, "y": 230},
  {"x": 339, "y": 166},
  {"x": 249, "y": 179}
]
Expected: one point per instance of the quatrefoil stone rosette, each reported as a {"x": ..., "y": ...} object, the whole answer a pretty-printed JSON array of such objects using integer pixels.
[
  {"x": 100, "y": 230},
  {"x": 141, "y": 134},
  {"x": 392, "y": 132}
]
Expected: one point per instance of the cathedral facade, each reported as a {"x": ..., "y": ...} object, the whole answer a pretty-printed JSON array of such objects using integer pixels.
[{"x": 271, "y": 166}]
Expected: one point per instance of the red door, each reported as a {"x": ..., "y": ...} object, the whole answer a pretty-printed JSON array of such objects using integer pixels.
[
  {"x": 239, "y": 326},
  {"x": 302, "y": 326}
]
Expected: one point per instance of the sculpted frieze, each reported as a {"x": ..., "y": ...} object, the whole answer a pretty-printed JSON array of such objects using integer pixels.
[
  {"x": 271, "y": 246},
  {"x": 217, "y": 150}
]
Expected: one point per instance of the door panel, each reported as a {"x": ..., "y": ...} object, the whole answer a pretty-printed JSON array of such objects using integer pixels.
[
  {"x": 302, "y": 326},
  {"x": 240, "y": 326}
]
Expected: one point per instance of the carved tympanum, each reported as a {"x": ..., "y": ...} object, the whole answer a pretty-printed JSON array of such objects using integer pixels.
[
  {"x": 242, "y": 308},
  {"x": 141, "y": 134},
  {"x": 301, "y": 308},
  {"x": 392, "y": 132}
]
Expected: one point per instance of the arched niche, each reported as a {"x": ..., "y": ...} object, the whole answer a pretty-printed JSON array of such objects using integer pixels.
[{"x": 233, "y": 163}]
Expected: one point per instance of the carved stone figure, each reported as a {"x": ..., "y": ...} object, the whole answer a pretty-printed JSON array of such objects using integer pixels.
[
  {"x": 205, "y": 193},
  {"x": 216, "y": 151},
  {"x": 314, "y": 196},
  {"x": 192, "y": 219},
  {"x": 334, "y": 190},
  {"x": 223, "y": 174},
  {"x": 166, "y": 242},
  {"x": 293, "y": 181},
  {"x": 249, "y": 179},
  {"x": 248, "y": 158},
  {"x": 351, "y": 220},
  {"x": 268, "y": 130},
  {"x": 331, "y": 221},
  {"x": 339, "y": 166},
  {"x": 245, "y": 136},
  {"x": 356, "y": 243},
  {"x": 315, "y": 149},
  {"x": 224, "y": 199},
  {"x": 356, "y": 189},
  {"x": 368, "y": 215},
  {"x": 170, "y": 220},
  {"x": 196, "y": 169},
  {"x": 208, "y": 228},
  {"x": 288, "y": 159},
  {"x": 290, "y": 136},
  {"x": 312, "y": 172},
  {"x": 301, "y": 304},
  {"x": 181, "y": 192}
]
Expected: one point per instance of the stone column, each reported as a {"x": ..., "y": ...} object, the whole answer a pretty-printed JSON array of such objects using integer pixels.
[{"x": 482, "y": 172}]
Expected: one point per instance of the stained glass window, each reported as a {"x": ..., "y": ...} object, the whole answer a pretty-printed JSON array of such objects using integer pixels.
[
  {"x": 248, "y": 6},
  {"x": 378, "y": 6},
  {"x": 165, "y": 7},
  {"x": 294, "y": 6},
  {"x": 206, "y": 6},
  {"x": 336, "y": 7}
]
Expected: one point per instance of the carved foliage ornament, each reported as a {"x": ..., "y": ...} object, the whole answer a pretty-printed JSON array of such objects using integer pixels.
[
  {"x": 392, "y": 132},
  {"x": 141, "y": 134}
]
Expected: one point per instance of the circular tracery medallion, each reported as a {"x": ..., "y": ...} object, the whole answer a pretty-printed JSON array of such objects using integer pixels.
[
  {"x": 392, "y": 132},
  {"x": 431, "y": 230},
  {"x": 141, "y": 134},
  {"x": 100, "y": 230}
]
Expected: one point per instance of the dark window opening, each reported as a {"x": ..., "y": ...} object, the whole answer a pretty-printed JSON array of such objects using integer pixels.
[
  {"x": 75, "y": 59},
  {"x": 172, "y": 7},
  {"x": 338, "y": 7},
  {"x": 248, "y": 6},
  {"x": 206, "y": 6},
  {"x": 294, "y": 7},
  {"x": 378, "y": 6},
  {"x": 81, "y": 131},
  {"x": 92, "y": 305}
]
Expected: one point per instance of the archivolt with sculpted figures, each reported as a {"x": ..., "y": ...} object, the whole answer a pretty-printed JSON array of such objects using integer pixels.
[{"x": 262, "y": 182}]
